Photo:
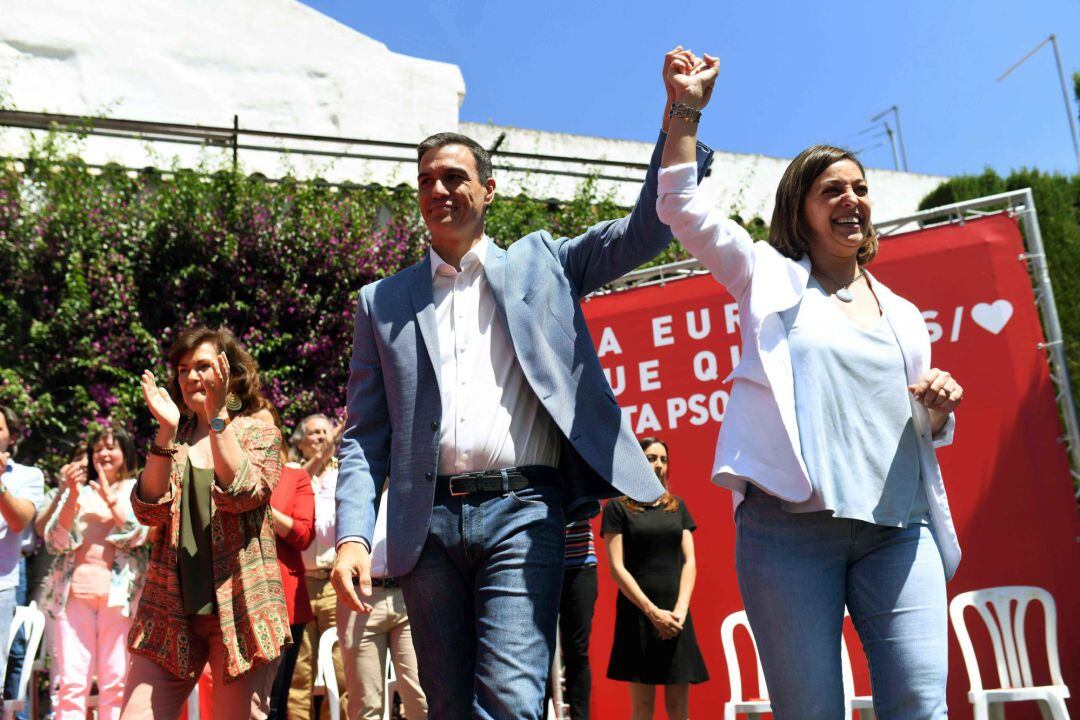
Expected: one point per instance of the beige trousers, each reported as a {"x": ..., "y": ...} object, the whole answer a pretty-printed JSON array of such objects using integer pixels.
[
  {"x": 324, "y": 606},
  {"x": 365, "y": 640},
  {"x": 152, "y": 692}
]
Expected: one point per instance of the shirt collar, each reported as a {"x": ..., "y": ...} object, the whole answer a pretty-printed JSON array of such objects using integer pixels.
[{"x": 479, "y": 251}]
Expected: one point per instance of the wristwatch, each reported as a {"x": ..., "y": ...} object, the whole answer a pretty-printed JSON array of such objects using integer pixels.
[
  {"x": 218, "y": 425},
  {"x": 3, "y": 489}
]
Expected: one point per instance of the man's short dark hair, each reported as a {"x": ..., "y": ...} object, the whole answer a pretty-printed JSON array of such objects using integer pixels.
[{"x": 480, "y": 155}]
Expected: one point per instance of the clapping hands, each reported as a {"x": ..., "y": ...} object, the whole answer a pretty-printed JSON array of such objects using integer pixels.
[
  {"x": 73, "y": 475},
  {"x": 160, "y": 403},
  {"x": 103, "y": 487},
  {"x": 216, "y": 385}
]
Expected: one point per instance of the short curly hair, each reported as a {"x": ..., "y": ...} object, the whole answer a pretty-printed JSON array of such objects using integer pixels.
[
  {"x": 244, "y": 379},
  {"x": 788, "y": 232}
]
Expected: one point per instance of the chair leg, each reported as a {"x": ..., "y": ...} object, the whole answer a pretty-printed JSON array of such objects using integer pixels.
[
  {"x": 997, "y": 711},
  {"x": 979, "y": 709},
  {"x": 1055, "y": 708}
]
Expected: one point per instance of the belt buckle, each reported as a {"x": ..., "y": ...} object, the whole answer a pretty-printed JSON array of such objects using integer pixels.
[{"x": 463, "y": 476}]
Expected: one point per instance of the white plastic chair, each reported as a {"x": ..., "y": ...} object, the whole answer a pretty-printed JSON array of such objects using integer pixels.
[
  {"x": 755, "y": 707},
  {"x": 327, "y": 677},
  {"x": 556, "y": 710},
  {"x": 855, "y": 706},
  {"x": 1006, "y": 629},
  {"x": 32, "y": 621}
]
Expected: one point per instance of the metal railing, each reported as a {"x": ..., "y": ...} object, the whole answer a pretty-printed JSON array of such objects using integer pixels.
[{"x": 237, "y": 139}]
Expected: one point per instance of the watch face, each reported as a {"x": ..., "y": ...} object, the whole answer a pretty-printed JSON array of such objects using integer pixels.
[{"x": 217, "y": 424}]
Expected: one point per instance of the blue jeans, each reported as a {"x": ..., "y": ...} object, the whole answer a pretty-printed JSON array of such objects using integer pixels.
[
  {"x": 483, "y": 600},
  {"x": 796, "y": 573},
  {"x": 7, "y": 614},
  {"x": 17, "y": 656}
]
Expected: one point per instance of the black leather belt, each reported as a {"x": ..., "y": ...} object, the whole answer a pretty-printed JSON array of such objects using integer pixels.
[
  {"x": 498, "y": 481},
  {"x": 384, "y": 582}
]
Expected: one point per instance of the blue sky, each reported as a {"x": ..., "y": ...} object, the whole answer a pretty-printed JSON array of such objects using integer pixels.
[{"x": 792, "y": 74}]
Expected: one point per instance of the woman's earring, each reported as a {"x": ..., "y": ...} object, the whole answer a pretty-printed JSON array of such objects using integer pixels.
[{"x": 232, "y": 402}]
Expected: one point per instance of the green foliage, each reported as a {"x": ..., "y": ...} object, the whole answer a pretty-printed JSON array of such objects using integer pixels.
[{"x": 1057, "y": 201}]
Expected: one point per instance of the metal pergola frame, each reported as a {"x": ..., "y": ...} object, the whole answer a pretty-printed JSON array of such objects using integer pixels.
[{"x": 1017, "y": 203}]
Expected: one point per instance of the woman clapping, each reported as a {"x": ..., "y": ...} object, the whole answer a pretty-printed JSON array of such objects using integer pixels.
[
  {"x": 213, "y": 592},
  {"x": 96, "y": 576}
]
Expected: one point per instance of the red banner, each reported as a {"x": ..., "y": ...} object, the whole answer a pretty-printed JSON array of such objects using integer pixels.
[{"x": 667, "y": 348}]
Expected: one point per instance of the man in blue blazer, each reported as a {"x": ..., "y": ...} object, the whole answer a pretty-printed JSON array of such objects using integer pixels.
[{"x": 475, "y": 387}]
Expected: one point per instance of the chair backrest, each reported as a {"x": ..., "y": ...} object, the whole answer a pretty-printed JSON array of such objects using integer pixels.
[
  {"x": 727, "y": 637},
  {"x": 32, "y": 621},
  {"x": 325, "y": 673},
  {"x": 1006, "y": 628}
]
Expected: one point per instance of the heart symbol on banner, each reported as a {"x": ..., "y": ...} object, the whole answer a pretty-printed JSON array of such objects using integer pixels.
[{"x": 992, "y": 316}]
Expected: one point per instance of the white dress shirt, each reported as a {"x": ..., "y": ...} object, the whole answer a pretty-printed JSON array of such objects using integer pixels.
[
  {"x": 491, "y": 418},
  {"x": 319, "y": 555},
  {"x": 325, "y": 526}
]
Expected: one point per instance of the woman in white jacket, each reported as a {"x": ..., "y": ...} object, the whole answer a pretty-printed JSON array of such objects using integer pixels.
[{"x": 829, "y": 437}]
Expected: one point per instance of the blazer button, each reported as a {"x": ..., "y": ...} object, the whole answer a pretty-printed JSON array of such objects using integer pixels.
[
  {"x": 427, "y": 476},
  {"x": 435, "y": 425}
]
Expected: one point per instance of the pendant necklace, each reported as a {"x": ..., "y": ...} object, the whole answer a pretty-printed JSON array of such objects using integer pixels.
[{"x": 844, "y": 293}]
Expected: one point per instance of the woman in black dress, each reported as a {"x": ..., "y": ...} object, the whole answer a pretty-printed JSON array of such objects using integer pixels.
[{"x": 651, "y": 552}]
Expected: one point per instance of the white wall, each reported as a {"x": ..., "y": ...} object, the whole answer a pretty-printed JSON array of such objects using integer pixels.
[
  {"x": 739, "y": 184},
  {"x": 277, "y": 64}
]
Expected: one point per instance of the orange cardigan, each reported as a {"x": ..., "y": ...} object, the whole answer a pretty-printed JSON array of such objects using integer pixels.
[{"x": 250, "y": 600}]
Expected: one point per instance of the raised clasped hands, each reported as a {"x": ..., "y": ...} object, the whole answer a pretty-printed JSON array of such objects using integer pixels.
[
  {"x": 690, "y": 79},
  {"x": 160, "y": 403}
]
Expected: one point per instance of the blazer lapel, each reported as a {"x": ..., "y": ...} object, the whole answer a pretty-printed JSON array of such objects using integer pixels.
[
  {"x": 781, "y": 291},
  {"x": 495, "y": 271},
  {"x": 423, "y": 302}
]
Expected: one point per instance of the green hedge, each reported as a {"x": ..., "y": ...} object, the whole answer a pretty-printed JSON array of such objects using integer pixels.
[{"x": 1057, "y": 201}]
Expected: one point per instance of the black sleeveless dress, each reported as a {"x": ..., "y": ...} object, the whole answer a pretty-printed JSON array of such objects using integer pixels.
[{"x": 652, "y": 553}]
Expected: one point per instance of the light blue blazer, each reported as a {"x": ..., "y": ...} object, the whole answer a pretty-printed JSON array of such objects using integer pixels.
[{"x": 393, "y": 394}]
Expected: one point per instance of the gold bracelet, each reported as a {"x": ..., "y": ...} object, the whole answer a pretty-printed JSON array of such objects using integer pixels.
[{"x": 169, "y": 452}]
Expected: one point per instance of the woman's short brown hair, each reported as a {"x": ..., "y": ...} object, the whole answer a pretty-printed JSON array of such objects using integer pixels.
[
  {"x": 789, "y": 232},
  {"x": 243, "y": 370}
]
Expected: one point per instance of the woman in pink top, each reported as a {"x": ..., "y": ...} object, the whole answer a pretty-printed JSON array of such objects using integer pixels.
[{"x": 96, "y": 578}]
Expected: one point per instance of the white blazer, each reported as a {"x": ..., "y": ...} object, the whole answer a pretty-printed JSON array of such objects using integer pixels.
[{"x": 759, "y": 439}]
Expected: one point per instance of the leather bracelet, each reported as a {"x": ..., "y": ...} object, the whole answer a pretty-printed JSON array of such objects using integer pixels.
[
  {"x": 169, "y": 452},
  {"x": 685, "y": 112}
]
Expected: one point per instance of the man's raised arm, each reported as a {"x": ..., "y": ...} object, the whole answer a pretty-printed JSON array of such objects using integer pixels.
[{"x": 609, "y": 250}]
